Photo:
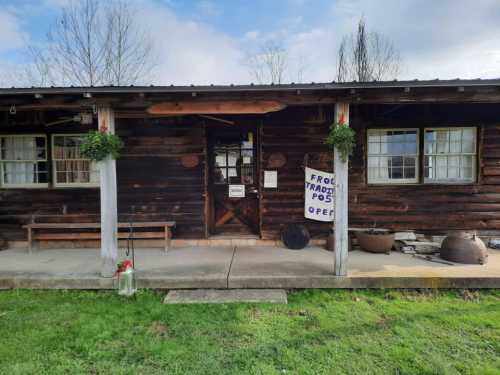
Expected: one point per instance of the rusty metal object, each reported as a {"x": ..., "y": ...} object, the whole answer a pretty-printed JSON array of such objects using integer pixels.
[
  {"x": 464, "y": 248},
  {"x": 375, "y": 242},
  {"x": 190, "y": 161},
  {"x": 276, "y": 160}
]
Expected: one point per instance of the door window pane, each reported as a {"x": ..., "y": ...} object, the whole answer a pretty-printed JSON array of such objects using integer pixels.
[{"x": 234, "y": 159}]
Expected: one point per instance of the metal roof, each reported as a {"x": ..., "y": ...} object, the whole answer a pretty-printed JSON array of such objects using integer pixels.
[{"x": 333, "y": 86}]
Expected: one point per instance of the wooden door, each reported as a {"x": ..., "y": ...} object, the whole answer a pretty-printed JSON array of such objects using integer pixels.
[{"x": 234, "y": 180}]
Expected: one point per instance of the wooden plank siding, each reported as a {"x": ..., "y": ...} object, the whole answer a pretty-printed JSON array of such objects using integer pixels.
[
  {"x": 433, "y": 208},
  {"x": 298, "y": 133},
  {"x": 153, "y": 185}
]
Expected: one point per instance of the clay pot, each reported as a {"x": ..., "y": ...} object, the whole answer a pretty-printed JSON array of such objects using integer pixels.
[
  {"x": 375, "y": 242},
  {"x": 464, "y": 248}
]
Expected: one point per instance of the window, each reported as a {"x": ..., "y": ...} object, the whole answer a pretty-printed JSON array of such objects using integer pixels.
[
  {"x": 393, "y": 156},
  {"x": 70, "y": 168},
  {"x": 450, "y": 155},
  {"x": 234, "y": 159},
  {"x": 23, "y": 161}
]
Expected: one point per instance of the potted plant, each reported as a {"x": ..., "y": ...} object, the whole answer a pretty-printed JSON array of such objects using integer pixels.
[
  {"x": 97, "y": 145},
  {"x": 342, "y": 138},
  {"x": 375, "y": 241}
]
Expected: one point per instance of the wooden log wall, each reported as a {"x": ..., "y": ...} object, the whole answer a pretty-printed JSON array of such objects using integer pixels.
[
  {"x": 160, "y": 177},
  {"x": 161, "y": 174},
  {"x": 429, "y": 208},
  {"x": 21, "y": 206},
  {"x": 295, "y": 136}
]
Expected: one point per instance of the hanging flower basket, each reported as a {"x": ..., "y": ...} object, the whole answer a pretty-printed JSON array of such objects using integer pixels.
[
  {"x": 97, "y": 145},
  {"x": 341, "y": 138}
]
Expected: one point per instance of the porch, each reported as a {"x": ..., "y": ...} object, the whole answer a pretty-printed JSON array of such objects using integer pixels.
[{"x": 242, "y": 267}]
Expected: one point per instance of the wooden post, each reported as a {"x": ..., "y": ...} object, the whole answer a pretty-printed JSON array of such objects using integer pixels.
[
  {"x": 109, "y": 206},
  {"x": 341, "y": 198}
]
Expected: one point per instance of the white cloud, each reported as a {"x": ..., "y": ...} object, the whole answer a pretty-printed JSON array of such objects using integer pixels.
[
  {"x": 191, "y": 52},
  {"x": 11, "y": 34}
]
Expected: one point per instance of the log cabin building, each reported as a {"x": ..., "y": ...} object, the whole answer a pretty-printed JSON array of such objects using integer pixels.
[{"x": 427, "y": 155}]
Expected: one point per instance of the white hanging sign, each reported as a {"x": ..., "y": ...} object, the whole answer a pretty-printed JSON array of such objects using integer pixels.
[
  {"x": 319, "y": 195},
  {"x": 236, "y": 191},
  {"x": 271, "y": 179}
]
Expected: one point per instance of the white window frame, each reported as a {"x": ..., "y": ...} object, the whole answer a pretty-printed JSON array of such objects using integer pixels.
[
  {"x": 399, "y": 181},
  {"x": 474, "y": 155},
  {"x": 54, "y": 166},
  {"x": 40, "y": 185}
]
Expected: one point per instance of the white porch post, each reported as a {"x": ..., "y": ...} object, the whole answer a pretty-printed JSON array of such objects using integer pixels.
[
  {"x": 341, "y": 198},
  {"x": 109, "y": 210}
]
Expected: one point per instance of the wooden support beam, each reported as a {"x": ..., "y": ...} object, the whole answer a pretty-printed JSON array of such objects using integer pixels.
[
  {"x": 109, "y": 206},
  {"x": 341, "y": 198},
  {"x": 216, "y": 107}
]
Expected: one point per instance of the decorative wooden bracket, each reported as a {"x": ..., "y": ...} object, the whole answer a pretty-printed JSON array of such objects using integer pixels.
[{"x": 216, "y": 107}]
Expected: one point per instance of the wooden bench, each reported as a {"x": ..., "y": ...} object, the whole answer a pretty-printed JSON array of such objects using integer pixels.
[{"x": 75, "y": 233}]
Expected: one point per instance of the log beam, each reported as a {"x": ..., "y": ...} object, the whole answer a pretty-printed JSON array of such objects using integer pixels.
[
  {"x": 341, "y": 198},
  {"x": 109, "y": 206},
  {"x": 216, "y": 107}
]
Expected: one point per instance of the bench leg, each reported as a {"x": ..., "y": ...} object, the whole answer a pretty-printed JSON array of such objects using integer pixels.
[{"x": 167, "y": 238}]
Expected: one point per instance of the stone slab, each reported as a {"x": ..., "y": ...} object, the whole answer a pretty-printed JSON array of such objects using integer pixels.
[{"x": 226, "y": 296}]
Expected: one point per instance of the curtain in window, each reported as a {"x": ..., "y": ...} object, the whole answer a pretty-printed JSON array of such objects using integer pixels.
[{"x": 19, "y": 148}]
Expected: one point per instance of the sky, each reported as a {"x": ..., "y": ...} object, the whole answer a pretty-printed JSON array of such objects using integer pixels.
[{"x": 210, "y": 41}]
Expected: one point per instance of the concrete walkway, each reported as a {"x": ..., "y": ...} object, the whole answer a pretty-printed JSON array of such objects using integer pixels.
[{"x": 242, "y": 267}]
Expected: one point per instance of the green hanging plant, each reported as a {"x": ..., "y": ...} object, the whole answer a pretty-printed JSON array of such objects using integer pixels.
[
  {"x": 97, "y": 145},
  {"x": 342, "y": 138}
]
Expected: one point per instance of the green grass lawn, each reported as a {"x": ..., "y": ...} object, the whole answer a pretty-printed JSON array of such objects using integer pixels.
[{"x": 318, "y": 332}]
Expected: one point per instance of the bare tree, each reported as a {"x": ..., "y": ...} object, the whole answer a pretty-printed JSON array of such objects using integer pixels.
[
  {"x": 270, "y": 64},
  {"x": 366, "y": 56},
  {"x": 342, "y": 64},
  {"x": 93, "y": 43}
]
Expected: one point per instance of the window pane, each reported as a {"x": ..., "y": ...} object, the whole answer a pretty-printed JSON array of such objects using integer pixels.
[
  {"x": 374, "y": 137},
  {"x": 409, "y": 172},
  {"x": 430, "y": 142},
  {"x": 397, "y": 161},
  {"x": 409, "y": 162},
  {"x": 442, "y": 142},
  {"x": 19, "y": 156},
  {"x": 397, "y": 173},
  {"x": 373, "y": 148},
  {"x": 233, "y": 177},
  {"x": 232, "y": 157},
  {"x": 70, "y": 166},
  {"x": 449, "y": 161},
  {"x": 19, "y": 173},
  {"x": 396, "y": 144}
]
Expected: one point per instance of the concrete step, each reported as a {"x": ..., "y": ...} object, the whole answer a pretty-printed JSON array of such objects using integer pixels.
[{"x": 226, "y": 296}]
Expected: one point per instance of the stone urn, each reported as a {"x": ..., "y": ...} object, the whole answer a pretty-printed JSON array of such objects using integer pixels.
[
  {"x": 375, "y": 241},
  {"x": 464, "y": 248}
]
